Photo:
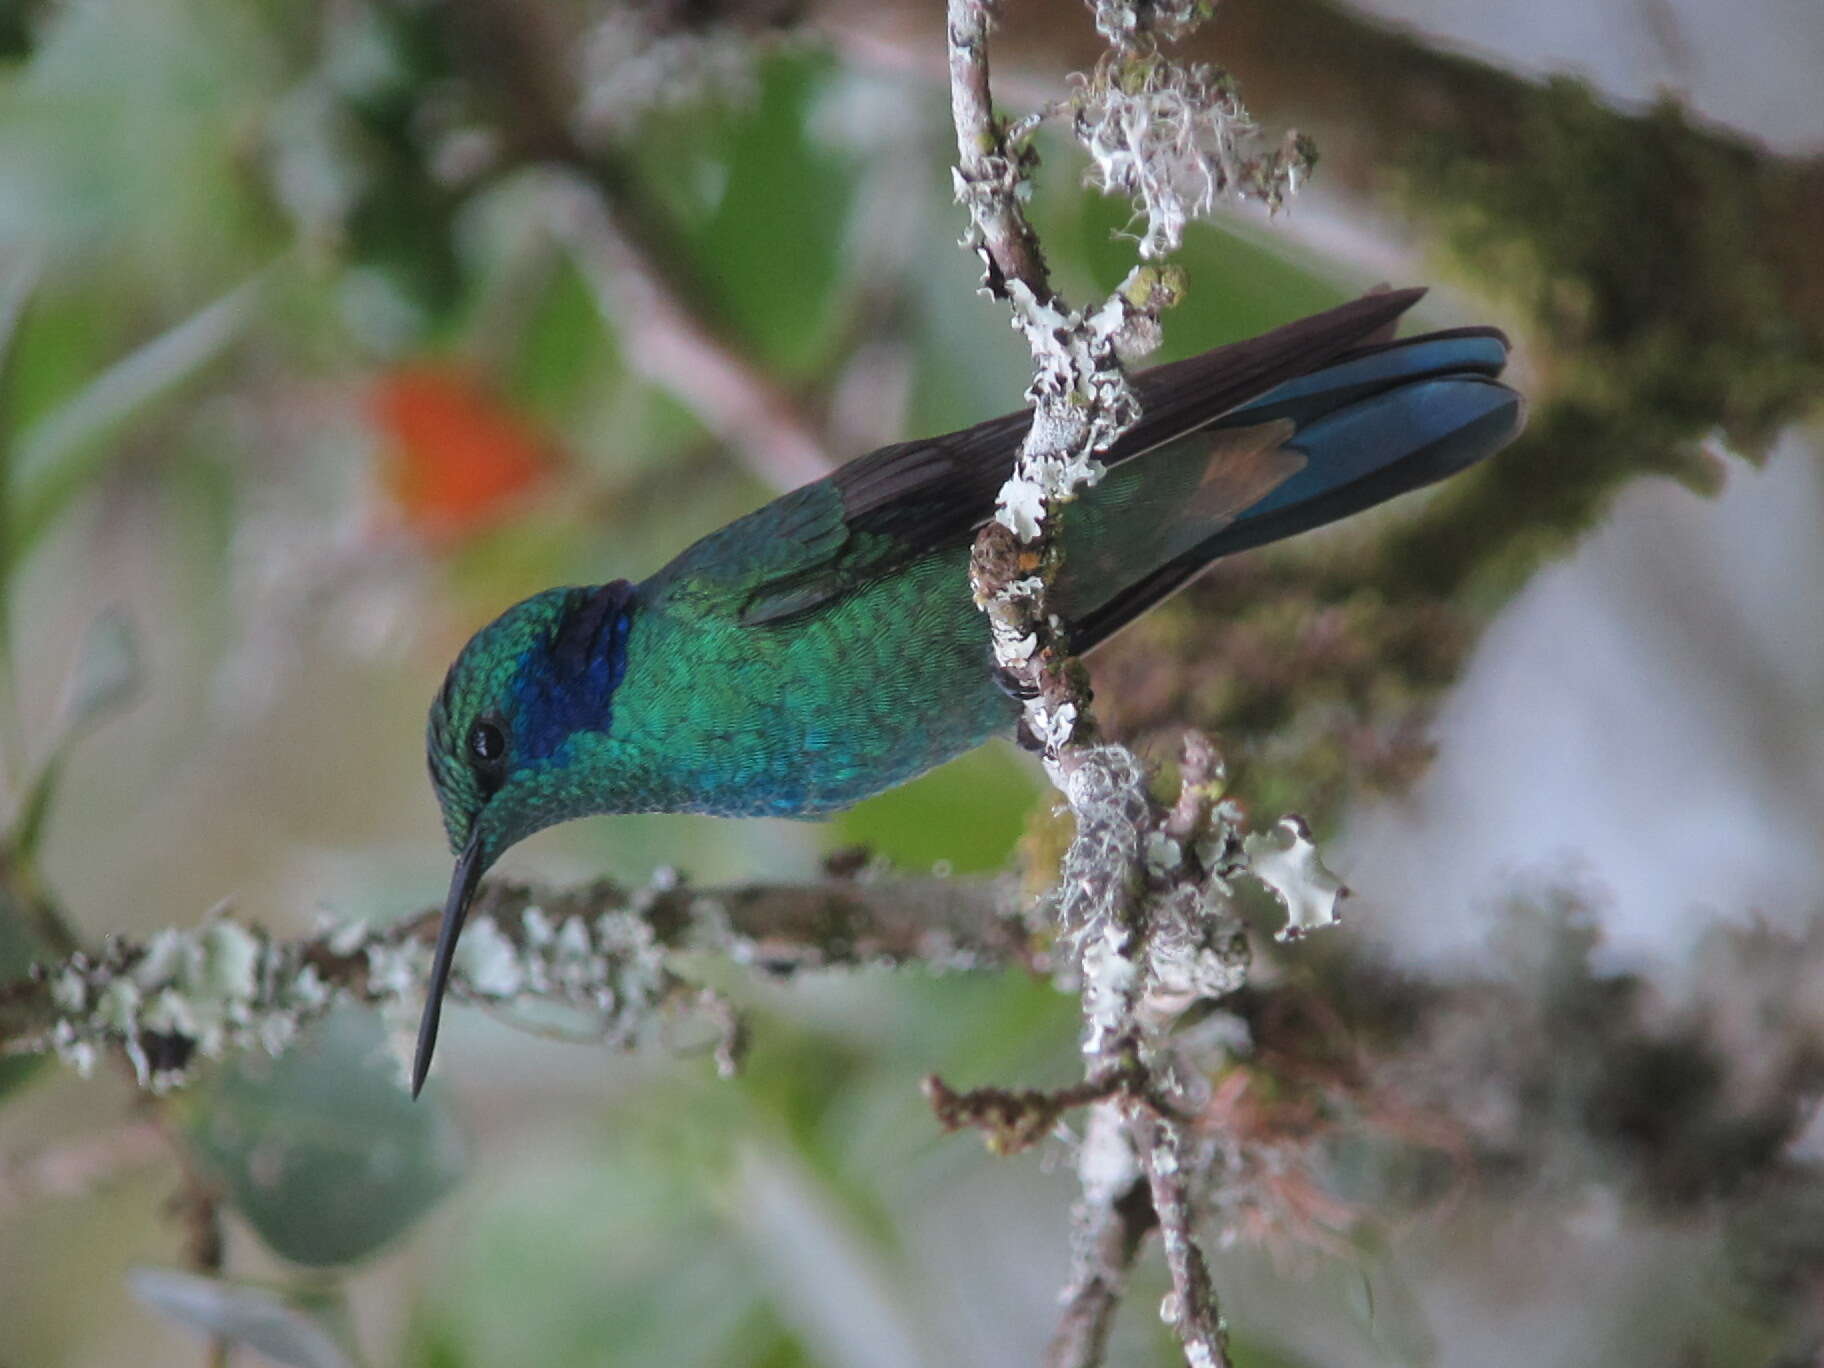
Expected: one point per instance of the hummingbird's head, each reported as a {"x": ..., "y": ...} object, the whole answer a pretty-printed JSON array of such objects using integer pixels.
[{"x": 499, "y": 737}]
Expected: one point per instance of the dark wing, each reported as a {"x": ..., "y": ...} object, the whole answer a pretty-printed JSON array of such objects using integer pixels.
[
  {"x": 931, "y": 492},
  {"x": 892, "y": 506}
]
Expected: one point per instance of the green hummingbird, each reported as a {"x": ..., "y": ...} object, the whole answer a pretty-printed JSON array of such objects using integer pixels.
[{"x": 826, "y": 647}]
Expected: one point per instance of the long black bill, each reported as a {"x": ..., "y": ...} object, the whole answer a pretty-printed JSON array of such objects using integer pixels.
[{"x": 462, "y": 888}]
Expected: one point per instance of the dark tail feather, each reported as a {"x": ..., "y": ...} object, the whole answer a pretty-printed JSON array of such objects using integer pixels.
[
  {"x": 1183, "y": 395},
  {"x": 1379, "y": 422}
]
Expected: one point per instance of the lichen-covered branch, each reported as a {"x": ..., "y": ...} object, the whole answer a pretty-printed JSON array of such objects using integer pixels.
[
  {"x": 1143, "y": 894},
  {"x": 1191, "y": 1308},
  {"x": 607, "y": 950},
  {"x": 990, "y": 165},
  {"x": 1107, "y": 1248}
]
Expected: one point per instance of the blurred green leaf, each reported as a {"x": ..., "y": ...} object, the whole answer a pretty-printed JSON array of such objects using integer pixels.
[
  {"x": 610, "y": 1246},
  {"x": 762, "y": 232},
  {"x": 17, "y": 20},
  {"x": 15, "y": 292},
  {"x": 841, "y": 1287},
  {"x": 58, "y": 455},
  {"x": 1243, "y": 1353},
  {"x": 260, "y": 1318},
  {"x": 17, "y": 951},
  {"x": 400, "y": 229},
  {"x": 107, "y": 673},
  {"x": 968, "y": 814},
  {"x": 321, "y": 1149},
  {"x": 436, "y": 1345},
  {"x": 565, "y": 355},
  {"x": 128, "y": 140},
  {"x": 104, "y": 680}
]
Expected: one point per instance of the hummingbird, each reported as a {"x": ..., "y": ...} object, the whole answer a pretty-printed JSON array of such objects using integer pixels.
[{"x": 826, "y": 646}]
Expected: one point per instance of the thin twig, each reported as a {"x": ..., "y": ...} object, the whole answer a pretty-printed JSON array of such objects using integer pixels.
[
  {"x": 1192, "y": 1308},
  {"x": 988, "y": 170},
  {"x": 1107, "y": 1248},
  {"x": 198, "y": 1206},
  {"x": 665, "y": 341},
  {"x": 1015, "y": 1119}
]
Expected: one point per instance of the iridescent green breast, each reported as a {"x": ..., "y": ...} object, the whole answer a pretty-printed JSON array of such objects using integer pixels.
[{"x": 804, "y": 716}]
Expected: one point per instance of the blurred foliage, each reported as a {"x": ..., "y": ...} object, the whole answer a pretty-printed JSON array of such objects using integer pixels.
[
  {"x": 18, "y": 949},
  {"x": 435, "y": 306},
  {"x": 295, "y": 1331},
  {"x": 320, "y": 1149},
  {"x": 748, "y": 190},
  {"x": 913, "y": 826}
]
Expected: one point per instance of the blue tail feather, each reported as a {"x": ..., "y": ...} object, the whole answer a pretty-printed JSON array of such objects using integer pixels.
[
  {"x": 1369, "y": 451},
  {"x": 1371, "y": 426},
  {"x": 1470, "y": 351}
]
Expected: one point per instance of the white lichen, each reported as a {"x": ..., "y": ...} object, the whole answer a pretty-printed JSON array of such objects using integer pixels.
[
  {"x": 1163, "y": 854},
  {"x": 1111, "y": 982},
  {"x": 162, "y": 960},
  {"x": 539, "y": 931},
  {"x": 1176, "y": 140},
  {"x": 347, "y": 938},
  {"x": 572, "y": 942},
  {"x": 1106, "y": 789},
  {"x": 170, "y": 1013},
  {"x": 225, "y": 962},
  {"x": 489, "y": 960},
  {"x": 307, "y": 989},
  {"x": 394, "y": 970},
  {"x": 1286, "y": 860},
  {"x": 1081, "y": 404},
  {"x": 117, "y": 1006},
  {"x": 1051, "y": 727},
  {"x": 69, "y": 991},
  {"x": 1197, "y": 949},
  {"x": 1106, "y": 1163},
  {"x": 638, "y": 58},
  {"x": 1119, "y": 21},
  {"x": 1022, "y": 508}
]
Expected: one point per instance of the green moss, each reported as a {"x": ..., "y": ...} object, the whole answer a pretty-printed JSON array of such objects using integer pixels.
[{"x": 1646, "y": 252}]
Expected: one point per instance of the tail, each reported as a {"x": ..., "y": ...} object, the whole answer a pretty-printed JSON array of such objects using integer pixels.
[{"x": 1375, "y": 423}]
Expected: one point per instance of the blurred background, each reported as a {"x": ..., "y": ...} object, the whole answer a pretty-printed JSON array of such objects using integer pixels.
[{"x": 328, "y": 330}]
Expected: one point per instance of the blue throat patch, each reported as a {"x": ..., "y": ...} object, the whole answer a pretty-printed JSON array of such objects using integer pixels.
[{"x": 567, "y": 684}]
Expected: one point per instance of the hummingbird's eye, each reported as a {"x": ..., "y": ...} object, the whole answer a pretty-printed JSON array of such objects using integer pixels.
[{"x": 487, "y": 745}]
